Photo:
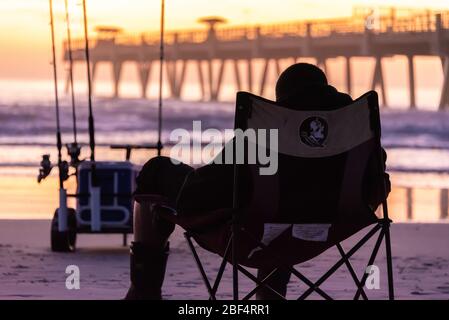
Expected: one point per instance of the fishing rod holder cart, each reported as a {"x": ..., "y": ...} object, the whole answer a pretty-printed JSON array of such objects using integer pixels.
[{"x": 104, "y": 203}]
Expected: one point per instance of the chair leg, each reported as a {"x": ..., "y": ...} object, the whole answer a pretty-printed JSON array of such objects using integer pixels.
[
  {"x": 312, "y": 286},
  {"x": 389, "y": 261},
  {"x": 257, "y": 281},
  {"x": 295, "y": 272},
  {"x": 213, "y": 290},
  {"x": 370, "y": 262},
  {"x": 235, "y": 272},
  {"x": 351, "y": 270},
  {"x": 260, "y": 285},
  {"x": 200, "y": 266},
  {"x": 222, "y": 268},
  {"x": 341, "y": 261}
]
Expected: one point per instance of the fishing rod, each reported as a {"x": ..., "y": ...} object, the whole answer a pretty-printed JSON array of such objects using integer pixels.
[
  {"x": 158, "y": 145},
  {"x": 46, "y": 166},
  {"x": 73, "y": 149},
  {"x": 95, "y": 189},
  {"x": 55, "y": 78},
  {"x": 161, "y": 78},
  {"x": 63, "y": 166},
  {"x": 89, "y": 87}
]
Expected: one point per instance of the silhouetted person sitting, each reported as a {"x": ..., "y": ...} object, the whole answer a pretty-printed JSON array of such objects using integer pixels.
[{"x": 210, "y": 188}]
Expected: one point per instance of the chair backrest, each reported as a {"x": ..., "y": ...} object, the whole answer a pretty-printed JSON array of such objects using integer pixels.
[{"x": 324, "y": 161}]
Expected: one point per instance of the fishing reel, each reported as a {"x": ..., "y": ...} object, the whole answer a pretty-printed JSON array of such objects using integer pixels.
[
  {"x": 64, "y": 170},
  {"x": 74, "y": 151},
  {"x": 46, "y": 167}
]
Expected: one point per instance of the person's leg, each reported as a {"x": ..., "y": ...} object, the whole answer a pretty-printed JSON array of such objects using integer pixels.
[
  {"x": 149, "y": 251},
  {"x": 162, "y": 179},
  {"x": 277, "y": 281},
  {"x": 148, "y": 229}
]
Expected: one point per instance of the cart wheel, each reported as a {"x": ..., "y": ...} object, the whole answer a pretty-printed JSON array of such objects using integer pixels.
[{"x": 64, "y": 241}]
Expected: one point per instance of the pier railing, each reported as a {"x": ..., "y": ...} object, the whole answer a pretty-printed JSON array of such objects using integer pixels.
[
  {"x": 231, "y": 34},
  {"x": 367, "y": 33},
  {"x": 423, "y": 21}
]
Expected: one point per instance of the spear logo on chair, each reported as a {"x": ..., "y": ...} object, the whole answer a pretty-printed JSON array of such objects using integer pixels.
[{"x": 313, "y": 132}]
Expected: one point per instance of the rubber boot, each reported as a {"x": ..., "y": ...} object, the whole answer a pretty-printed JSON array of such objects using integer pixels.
[{"x": 147, "y": 272}]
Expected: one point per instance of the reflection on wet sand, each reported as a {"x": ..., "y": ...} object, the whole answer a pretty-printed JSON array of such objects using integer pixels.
[
  {"x": 411, "y": 200},
  {"x": 418, "y": 204}
]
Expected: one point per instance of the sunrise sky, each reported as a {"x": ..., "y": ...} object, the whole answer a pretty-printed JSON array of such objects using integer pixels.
[{"x": 25, "y": 36}]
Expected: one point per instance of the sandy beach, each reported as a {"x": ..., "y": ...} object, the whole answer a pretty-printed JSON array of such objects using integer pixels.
[
  {"x": 29, "y": 270},
  {"x": 92, "y": 90}
]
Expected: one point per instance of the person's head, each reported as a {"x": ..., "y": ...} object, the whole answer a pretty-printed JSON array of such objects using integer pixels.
[{"x": 296, "y": 76}]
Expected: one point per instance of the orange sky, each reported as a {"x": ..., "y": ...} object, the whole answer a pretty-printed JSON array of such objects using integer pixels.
[{"x": 25, "y": 37}]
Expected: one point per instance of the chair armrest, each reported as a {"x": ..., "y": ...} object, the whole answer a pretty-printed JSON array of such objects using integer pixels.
[
  {"x": 152, "y": 198},
  {"x": 162, "y": 210}
]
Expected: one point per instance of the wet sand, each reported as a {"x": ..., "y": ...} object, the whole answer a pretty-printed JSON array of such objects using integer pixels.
[{"x": 29, "y": 270}]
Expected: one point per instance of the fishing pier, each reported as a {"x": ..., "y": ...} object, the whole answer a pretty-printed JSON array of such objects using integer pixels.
[{"x": 367, "y": 33}]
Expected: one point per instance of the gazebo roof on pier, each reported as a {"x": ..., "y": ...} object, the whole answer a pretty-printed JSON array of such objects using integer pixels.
[
  {"x": 212, "y": 20},
  {"x": 108, "y": 29}
]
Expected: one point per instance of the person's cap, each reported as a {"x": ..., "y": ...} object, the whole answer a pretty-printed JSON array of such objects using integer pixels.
[{"x": 296, "y": 76}]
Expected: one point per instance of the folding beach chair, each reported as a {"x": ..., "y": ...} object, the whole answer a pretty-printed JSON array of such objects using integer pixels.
[{"x": 314, "y": 200}]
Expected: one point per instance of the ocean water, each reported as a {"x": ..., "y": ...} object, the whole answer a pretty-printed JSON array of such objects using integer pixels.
[{"x": 417, "y": 142}]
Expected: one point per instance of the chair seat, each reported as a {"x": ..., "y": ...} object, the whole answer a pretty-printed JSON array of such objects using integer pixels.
[
  {"x": 196, "y": 224},
  {"x": 213, "y": 230}
]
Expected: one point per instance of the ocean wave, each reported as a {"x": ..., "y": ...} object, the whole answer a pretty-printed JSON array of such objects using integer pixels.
[{"x": 30, "y": 128}]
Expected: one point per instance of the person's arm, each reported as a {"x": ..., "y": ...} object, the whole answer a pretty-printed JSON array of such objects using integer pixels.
[
  {"x": 207, "y": 189},
  {"x": 373, "y": 183}
]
